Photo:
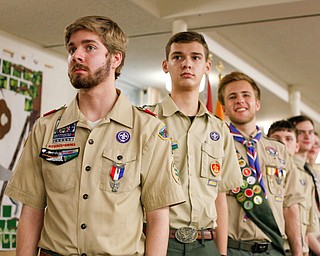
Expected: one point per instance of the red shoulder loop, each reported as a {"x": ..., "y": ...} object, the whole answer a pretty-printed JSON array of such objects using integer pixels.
[{"x": 150, "y": 112}]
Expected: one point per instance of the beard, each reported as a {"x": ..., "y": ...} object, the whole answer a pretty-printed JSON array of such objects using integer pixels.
[{"x": 92, "y": 80}]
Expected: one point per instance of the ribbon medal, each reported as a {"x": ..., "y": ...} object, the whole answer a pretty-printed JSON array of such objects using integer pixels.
[{"x": 116, "y": 173}]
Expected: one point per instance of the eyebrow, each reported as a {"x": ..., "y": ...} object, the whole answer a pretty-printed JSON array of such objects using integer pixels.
[
  {"x": 85, "y": 41},
  {"x": 192, "y": 53}
]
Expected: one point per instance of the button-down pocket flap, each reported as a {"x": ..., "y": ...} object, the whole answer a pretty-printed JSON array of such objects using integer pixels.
[{"x": 119, "y": 156}]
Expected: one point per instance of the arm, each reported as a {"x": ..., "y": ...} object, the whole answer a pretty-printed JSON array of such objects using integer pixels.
[
  {"x": 222, "y": 222},
  {"x": 157, "y": 233},
  {"x": 314, "y": 243},
  {"x": 29, "y": 230},
  {"x": 292, "y": 227}
]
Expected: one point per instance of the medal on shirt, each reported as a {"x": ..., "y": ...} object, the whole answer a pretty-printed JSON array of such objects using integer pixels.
[{"x": 116, "y": 173}]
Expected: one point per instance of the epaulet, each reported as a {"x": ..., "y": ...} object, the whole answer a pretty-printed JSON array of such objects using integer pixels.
[
  {"x": 146, "y": 110},
  {"x": 53, "y": 111}
]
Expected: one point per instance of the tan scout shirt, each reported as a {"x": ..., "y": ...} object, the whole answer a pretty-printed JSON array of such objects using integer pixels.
[
  {"x": 88, "y": 211},
  {"x": 205, "y": 159},
  {"x": 271, "y": 153},
  {"x": 307, "y": 207}
]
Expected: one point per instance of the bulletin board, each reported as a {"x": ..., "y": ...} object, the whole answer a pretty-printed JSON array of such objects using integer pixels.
[{"x": 20, "y": 102}]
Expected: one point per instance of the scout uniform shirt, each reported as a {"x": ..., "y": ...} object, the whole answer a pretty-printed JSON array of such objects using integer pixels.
[
  {"x": 280, "y": 186},
  {"x": 307, "y": 208},
  {"x": 205, "y": 159},
  {"x": 95, "y": 183}
]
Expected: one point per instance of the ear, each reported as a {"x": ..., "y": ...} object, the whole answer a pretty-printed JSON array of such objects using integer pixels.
[
  {"x": 116, "y": 59},
  {"x": 208, "y": 67},
  {"x": 297, "y": 147},
  {"x": 165, "y": 66},
  {"x": 258, "y": 105}
]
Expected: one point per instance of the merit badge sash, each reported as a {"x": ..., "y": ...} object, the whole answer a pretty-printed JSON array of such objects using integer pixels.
[
  {"x": 59, "y": 156},
  {"x": 252, "y": 199},
  {"x": 116, "y": 173}
]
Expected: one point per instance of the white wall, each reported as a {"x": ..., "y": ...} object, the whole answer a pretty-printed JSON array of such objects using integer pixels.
[{"x": 56, "y": 89}]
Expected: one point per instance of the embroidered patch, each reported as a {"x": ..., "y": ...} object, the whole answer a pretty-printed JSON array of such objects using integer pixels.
[
  {"x": 123, "y": 136},
  {"x": 214, "y": 136},
  {"x": 212, "y": 183},
  {"x": 271, "y": 151},
  {"x": 66, "y": 133},
  {"x": 59, "y": 156},
  {"x": 163, "y": 134},
  {"x": 215, "y": 168}
]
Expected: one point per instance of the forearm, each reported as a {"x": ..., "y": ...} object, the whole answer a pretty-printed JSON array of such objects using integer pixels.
[
  {"x": 221, "y": 238},
  {"x": 292, "y": 228},
  {"x": 29, "y": 230},
  {"x": 157, "y": 233},
  {"x": 314, "y": 243}
]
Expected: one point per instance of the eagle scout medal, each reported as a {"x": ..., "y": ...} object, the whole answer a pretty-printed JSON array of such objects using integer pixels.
[
  {"x": 215, "y": 168},
  {"x": 116, "y": 173}
]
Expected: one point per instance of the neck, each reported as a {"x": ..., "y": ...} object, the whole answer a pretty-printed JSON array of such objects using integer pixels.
[
  {"x": 187, "y": 102},
  {"x": 302, "y": 155},
  {"x": 247, "y": 129},
  {"x": 95, "y": 103}
]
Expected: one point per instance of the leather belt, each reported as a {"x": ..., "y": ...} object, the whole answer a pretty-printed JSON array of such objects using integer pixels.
[
  {"x": 44, "y": 252},
  {"x": 250, "y": 246},
  {"x": 189, "y": 234}
]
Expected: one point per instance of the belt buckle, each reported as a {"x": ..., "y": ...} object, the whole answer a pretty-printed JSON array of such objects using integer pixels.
[
  {"x": 186, "y": 235},
  {"x": 260, "y": 247}
]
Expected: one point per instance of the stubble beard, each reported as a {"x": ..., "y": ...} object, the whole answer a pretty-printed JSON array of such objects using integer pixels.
[{"x": 92, "y": 80}]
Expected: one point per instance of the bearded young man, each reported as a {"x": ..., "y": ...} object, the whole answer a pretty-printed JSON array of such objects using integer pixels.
[{"x": 89, "y": 171}]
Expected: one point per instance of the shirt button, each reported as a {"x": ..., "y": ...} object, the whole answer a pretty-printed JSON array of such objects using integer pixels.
[
  {"x": 83, "y": 226},
  {"x": 91, "y": 141},
  {"x": 83, "y": 254},
  {"x": 88, "y": 168},
  {"x": 85, "y": 196},
  {"x": 119, "y": 157}
]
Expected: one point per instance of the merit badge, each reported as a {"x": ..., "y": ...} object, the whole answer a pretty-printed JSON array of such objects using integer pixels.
[
  {"x": 163, "y": 134},
  {"x": 59, "y": 156},
  {"x": 214, "y": 136},
  {"x": 238, "y": 156},
  {"x": 236, "y": 190},
  {"x": 271, "y": 151},
  {"x": 212, "y": 183},
  {"x": 215, "y": 168},
  {"x": 251, "y": 180},
  {"x": 248, "y": 205},
  {"x": 248, "y": 192},
  {"x": 245, "y": 184},
  {"x": 257, "y": 200},
  {"x": 246, "y": 172},
  {"x": 242, "y": 163},
  {"x": 241, "y": 197},
  {"x": 66, "y": 133},
  {"x": 123, "y": 136},
  {"x": 257, "y": 189}
]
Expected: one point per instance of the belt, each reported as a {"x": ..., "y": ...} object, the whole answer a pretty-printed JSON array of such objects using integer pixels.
[
  {"x": 254, "y": 247},
  {"x": 189, "y": 234},
  {"x": 44, "y": 252}
]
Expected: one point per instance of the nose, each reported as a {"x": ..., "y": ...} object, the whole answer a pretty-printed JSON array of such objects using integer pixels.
[
  {"x": 240, "y": 99},
  {"x": 186, "y": 63},
  {"x": 77, "y": 56}
]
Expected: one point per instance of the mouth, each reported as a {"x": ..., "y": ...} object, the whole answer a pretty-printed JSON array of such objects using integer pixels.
[
  {"x": 187, "y": 75},
  {"x": 242, "y": 109},
  {"x": 78, "y": 69}
]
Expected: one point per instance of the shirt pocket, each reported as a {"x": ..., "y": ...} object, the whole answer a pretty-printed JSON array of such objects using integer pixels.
[
  {"x": 211, "y": 162},
  {"x": 60, "y": 177},
  {"x": 275, "y": 180},
  {"x": 125, "y": 173}
]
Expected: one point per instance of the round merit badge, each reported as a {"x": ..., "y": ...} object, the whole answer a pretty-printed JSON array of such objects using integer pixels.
[
  {"x": 246, "y": 172},
  {"x": 248, "y": 205},
  {"x": 123, "y": 136},
  {"x": 251, "y": 180},
  {"x": 257, "y": 200}
]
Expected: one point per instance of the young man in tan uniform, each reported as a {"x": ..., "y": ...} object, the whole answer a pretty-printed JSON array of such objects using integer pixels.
[
  {"x": 88, "y": 170},
  {"x": 285, "y": 132},
  {"x": 258, "y": 208},
  {"x": 306, "y": 137},
  {"x": 203, "y": 152}
]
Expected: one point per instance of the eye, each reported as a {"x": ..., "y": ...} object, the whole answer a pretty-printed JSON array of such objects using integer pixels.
[
  {"x": 176, "y": 57},
  {"x": 197, "y": 57},
  {"x": 71, "y": 50},
  {"x": 90, "y": 48}
]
